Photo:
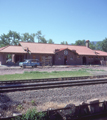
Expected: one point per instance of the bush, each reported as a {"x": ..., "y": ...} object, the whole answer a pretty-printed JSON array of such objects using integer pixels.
[{"x": 31, "y": 115}]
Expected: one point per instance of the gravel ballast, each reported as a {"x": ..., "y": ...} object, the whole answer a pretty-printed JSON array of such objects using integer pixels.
[
  {"x": 63, "y": 95},
  {"x": 78, "y": 93}
]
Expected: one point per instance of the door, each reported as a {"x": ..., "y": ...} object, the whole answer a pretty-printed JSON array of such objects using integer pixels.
[
  {"x": 84, "y": 60},
  {"x": 34, "y": 56},
  {"x": 65, "y": 60}
]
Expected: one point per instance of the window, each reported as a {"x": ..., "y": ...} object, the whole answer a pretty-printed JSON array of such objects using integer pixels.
[
  {"x": 59, "y": 57},
  {"x": 71, "y": 57},
  {"x": 92, "y": 57},
  {"x": 96, "y": 57},
  {"x": 78, "y": 57},
  {"x": 65, "y": 52},
  {"x": 102, "y": 58},
  {"x": 34, "y": 56}
]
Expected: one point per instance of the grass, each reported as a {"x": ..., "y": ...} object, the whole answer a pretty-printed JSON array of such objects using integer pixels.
[
  {"x": 84, "y": 69},
  {"x": 40, "y": 75}
]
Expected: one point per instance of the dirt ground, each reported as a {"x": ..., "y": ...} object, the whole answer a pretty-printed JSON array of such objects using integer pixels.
[{"x": 95, "y": 69}]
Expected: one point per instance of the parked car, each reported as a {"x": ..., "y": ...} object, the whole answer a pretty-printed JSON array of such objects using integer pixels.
[{"x": 29, "y": 62}]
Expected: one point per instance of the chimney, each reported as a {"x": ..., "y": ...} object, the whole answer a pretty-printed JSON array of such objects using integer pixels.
[{"x": 87, "y": 43}]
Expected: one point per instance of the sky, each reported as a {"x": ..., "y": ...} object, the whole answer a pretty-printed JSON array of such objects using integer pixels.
[{"x": 59, "y": 20}]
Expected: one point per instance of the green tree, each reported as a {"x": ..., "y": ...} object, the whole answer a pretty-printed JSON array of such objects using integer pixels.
[
  {"x": 83, "y": 43},
  {"x": 104, "y": 45},
  {"x": 98, "y": 45},
  {"x": 92, "y": 45},
  {"x": 28, "y": 38},
  {"x": 4, "y": 40},
  {"x": 50, "y": 41},
  {"x": 80, "y": 42},
  {"x": 12, "y": 38},
  {"x": 40, "y": 37},
  {"x": 64, "y": 43},
  {"x": 42, "y": 40}
]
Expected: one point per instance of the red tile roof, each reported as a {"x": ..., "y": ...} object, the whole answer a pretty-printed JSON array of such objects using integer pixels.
[
  {"x": 43, "y": 48},
  {"x": 3, "y": 48},
  {"x": 58, "y": 50},
  {"x": 101, "y": 53},
  {"x": 50, "y": 48},
  {"x": 12, "y": 49}
]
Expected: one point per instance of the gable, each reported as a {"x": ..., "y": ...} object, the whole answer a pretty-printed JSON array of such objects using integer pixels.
[{"x": 64, "y": 50}]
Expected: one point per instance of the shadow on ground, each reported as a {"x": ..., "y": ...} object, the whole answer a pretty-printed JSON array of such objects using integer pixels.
[{"x": 6, "y": 106}]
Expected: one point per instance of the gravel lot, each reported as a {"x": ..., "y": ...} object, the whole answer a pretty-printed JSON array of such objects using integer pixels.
[{"x": 56, "y": 98}]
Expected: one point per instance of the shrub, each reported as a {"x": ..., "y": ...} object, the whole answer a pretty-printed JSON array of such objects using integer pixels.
[{"x": 31, "y": 115}]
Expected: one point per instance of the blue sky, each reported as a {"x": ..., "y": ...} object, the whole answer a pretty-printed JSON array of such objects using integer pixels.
[{"x": 60, "y": 20}]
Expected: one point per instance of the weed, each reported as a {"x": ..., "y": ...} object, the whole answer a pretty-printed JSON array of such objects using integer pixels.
[
  {"x": 31, "y": 115},
  {"x": 33, "y": 102},
  {"x": 19, "y": 107}
]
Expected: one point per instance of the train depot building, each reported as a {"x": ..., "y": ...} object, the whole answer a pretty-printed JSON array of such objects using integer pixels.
[{"x": 52, "y": 54}]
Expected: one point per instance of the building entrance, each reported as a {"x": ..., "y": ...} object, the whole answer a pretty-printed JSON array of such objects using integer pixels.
[
  {"x": 65, "y": 60},
  {"x": 84, "y": 60},
  {"x": 19, "y": 58}
]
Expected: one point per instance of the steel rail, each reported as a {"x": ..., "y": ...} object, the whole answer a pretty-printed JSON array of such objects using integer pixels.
[
  {"x": 53, "y": 83},
  {"x": 50, "y": 85}
]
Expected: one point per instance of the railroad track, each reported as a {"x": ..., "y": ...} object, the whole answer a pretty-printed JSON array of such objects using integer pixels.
[{"x": 49, "y": 84}]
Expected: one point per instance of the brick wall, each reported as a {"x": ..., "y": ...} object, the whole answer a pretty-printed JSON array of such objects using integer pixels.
[
  {"x": 70, "y": 57},
  {"x": 2, "y": 59}
]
